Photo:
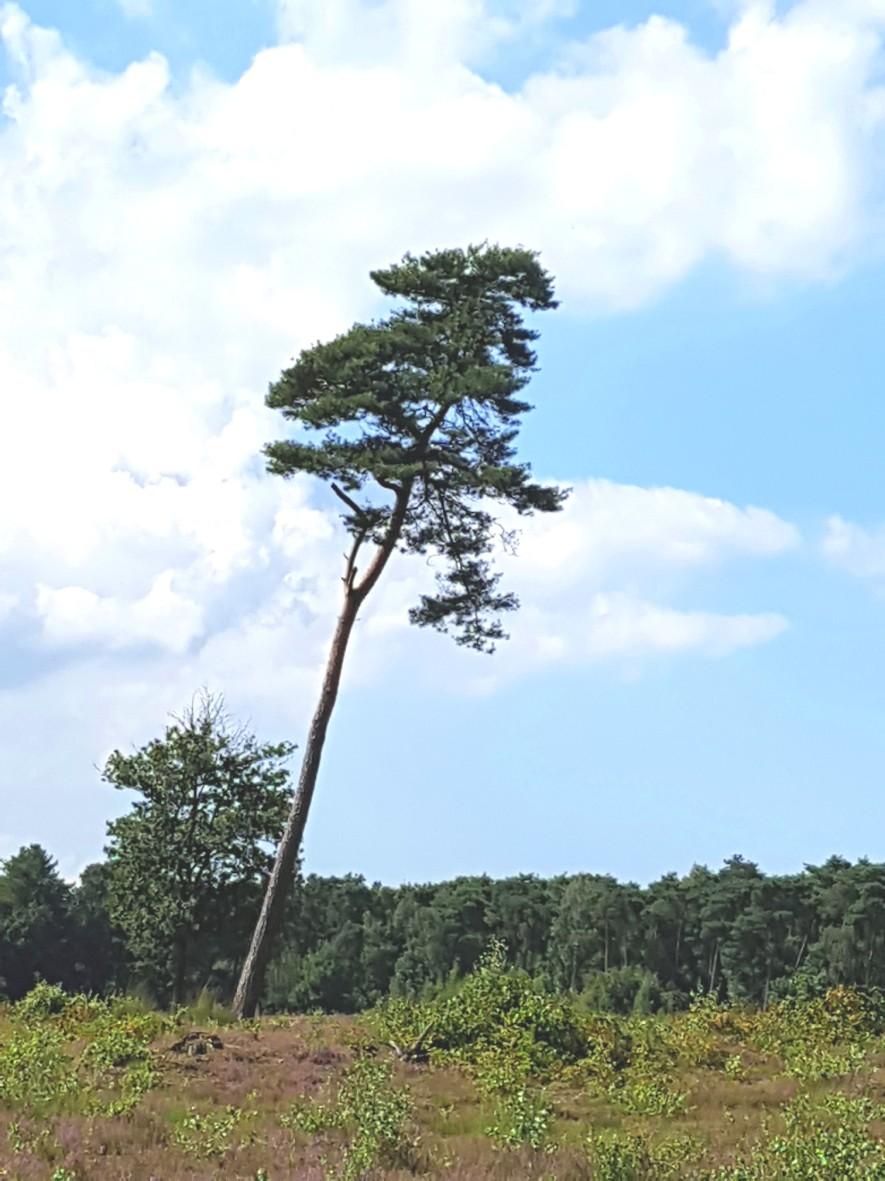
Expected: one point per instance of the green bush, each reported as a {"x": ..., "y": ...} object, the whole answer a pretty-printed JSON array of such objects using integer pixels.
[
  {"x": 498, "y": 1024},
  {"x": 523, "y": 1120},
  {"x": 378, "y": 1117},
  {"x": 632, "y": 1156},
  {"x": 824, "y": 1141},
  {"x": 113, "y": 1069},
  {"x": 43, "y": 1001},
  {"x": 207, "y": 1134},
  {"x": 651, "y": 1096},
  {"x": 35, "y": 1071}
]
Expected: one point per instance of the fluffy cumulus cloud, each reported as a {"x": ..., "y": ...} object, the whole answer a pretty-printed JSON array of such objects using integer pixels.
[
  {"x": 599, "y": 583},
  {"x": 592, "y": 573},
  {"x": 162, "y": 616},
  {"x": 633, "y": 158},
  {"x": 167, "y": 248}
]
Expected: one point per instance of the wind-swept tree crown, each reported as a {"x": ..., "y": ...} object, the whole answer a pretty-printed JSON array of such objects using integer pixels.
[{"x": 413, "y": 421}]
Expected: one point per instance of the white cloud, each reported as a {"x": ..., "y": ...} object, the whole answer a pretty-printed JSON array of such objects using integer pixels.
[
  {"x": 260, "y": 205},
  {"x": 165, "y": 253},
  {"x": 408, "y": 31},
  {"x": 589, "y": 574},
  {"x": 624, "y": 626},
  {"x": 857, "y": 550},
  {"x": 610, "y": 530},
  {"x": 162, "y": 616},
  {"x": 596, "y": 582},
  {"x": 640, "y": 153},
  {"x": 166, "y": 250},
  {"x": 136, "y": 8}
]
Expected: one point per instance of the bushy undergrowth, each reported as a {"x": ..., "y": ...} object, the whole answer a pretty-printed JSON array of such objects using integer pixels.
[
  {"x": 826, "y": 1140},
  {"x": 65, "y": 1057},
  {"x": 635, "y": 1156},
  {"x": 631, "y": 1094},
  {"x": 77, "y": 1054},
  {"x": 376, "y": 1116},
  {"x": 498, "y": 1026}
]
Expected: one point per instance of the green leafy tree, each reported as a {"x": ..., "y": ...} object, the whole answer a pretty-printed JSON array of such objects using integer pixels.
[
  {"x": 412, "y": 422},
  {"x": 594, "y": 924},
  {"x": 101, "y": 959},
  {"x": 36, "y": 927},
  {"x": 188, "y": 859},
  {"x": 521, "y": 911},
  {"x": 665, "y": 921}
]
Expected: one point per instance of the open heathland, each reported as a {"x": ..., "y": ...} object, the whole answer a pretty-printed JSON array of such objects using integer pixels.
[{"x": 491, "y": 1079}]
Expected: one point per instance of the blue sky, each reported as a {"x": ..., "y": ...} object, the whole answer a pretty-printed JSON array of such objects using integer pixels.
[{"x": 696, "y": 669}]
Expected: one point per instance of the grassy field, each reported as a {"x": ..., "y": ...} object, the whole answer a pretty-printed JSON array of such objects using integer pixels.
[{"x": 494, "y": 1081}]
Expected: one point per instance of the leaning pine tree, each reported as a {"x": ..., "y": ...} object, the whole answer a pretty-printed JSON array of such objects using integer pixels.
[{"x": 412, "y": 423}]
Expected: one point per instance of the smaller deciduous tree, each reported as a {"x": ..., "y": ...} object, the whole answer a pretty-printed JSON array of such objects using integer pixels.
[{"x": 189, "y": 858}]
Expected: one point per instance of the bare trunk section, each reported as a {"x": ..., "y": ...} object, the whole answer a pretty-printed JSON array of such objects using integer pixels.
[
  {"x": 180, "y": 972},
  {"x": 252, "y": 976},
  {"x": 255, "y": 963}
]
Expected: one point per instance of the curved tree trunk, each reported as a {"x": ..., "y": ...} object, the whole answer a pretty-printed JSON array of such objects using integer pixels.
[{"x": 252, "y": 976}]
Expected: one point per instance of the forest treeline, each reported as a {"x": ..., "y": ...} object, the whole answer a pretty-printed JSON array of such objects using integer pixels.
[
  {"x": 735, "y": 932},
  {"x": 169, "y": 911}
]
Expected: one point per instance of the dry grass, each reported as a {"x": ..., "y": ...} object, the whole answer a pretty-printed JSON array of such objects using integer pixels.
[{"x": 243, "y": 1089}]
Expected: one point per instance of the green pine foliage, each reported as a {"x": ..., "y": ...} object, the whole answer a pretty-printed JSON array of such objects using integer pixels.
[
  {"x": 413, "y": 421},
  {"x": 347, "y": 945}
]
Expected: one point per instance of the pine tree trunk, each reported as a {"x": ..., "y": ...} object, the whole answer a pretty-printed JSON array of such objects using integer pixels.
[
  {"x": 605, "y": 951},
  {"x": 677, "y": 963},
  {"x": 180, "y": 973},
  {"x": 252, "y": 976}
]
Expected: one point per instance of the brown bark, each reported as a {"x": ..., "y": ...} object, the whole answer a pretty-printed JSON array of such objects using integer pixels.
[{"x": 255, "y": 964}]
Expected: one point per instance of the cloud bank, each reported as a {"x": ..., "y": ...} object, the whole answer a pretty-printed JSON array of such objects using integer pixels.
[{"x": 168, "y": 245}]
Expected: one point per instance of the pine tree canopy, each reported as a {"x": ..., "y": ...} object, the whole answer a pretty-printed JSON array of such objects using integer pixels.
[{"x": 413, "y": 422}]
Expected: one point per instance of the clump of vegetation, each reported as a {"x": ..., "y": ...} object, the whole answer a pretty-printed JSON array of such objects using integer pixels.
[
  {"x": 493, "y": 1064},
  {"x": 203, "y": 1134},
  {"x": 633, "y": 1156},
  {"x": 497, "y": 1025},
  {"x": 375, "y": 1116},
  {"x": 644, "y": 1095},
  {"x": 69, "y": 1054},
  {"x": 829, "y": 1138},
  {"x": 523, "y": 1120}
]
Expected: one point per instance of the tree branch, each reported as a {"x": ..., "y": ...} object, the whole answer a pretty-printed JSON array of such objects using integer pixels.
[
  {"x": 351, "y": 504},
  {"x": 387, "y": 546},
  {"x": 350, "y": 568}
]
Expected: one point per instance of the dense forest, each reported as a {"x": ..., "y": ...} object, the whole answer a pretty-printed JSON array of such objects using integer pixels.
[
  {"x": 168, "y": 912},
  {"x": 736, "y": 932}
]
